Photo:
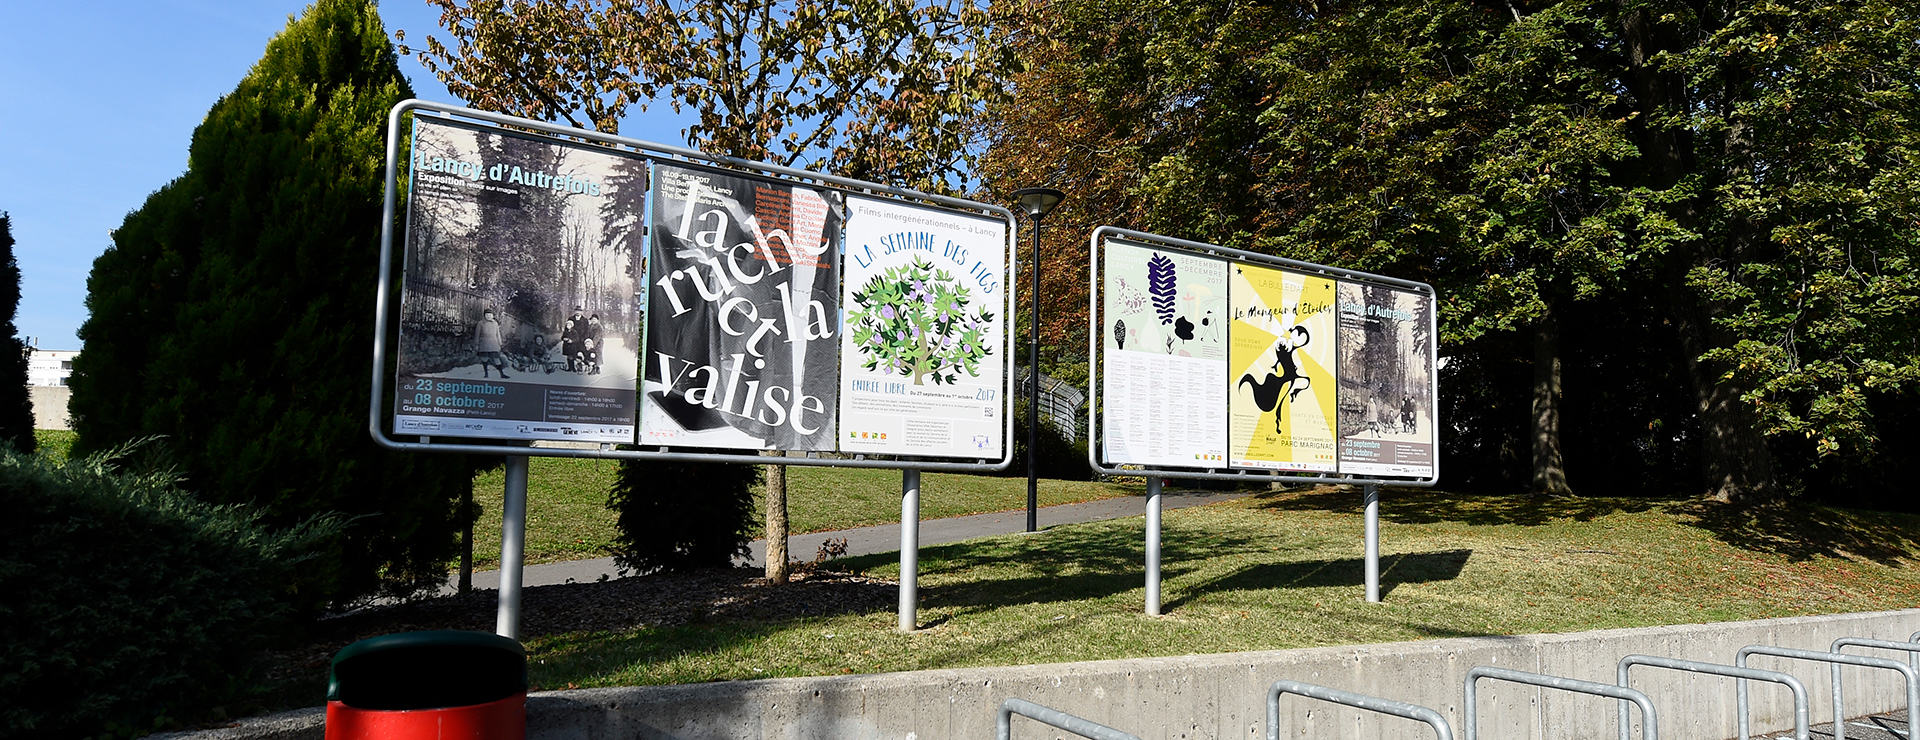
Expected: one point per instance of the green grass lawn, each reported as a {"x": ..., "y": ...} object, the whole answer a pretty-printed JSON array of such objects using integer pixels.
[
  {"x": 567, "y": 518},
  {"x": 1283, "y": 570},
  {"x": 54, "y": 443}
]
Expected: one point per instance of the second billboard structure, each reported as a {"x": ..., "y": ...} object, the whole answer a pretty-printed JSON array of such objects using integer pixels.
[{"x": 1214, "y": 364}]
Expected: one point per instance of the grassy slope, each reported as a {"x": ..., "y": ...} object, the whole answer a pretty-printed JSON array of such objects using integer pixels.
[
  {"x": 1283, "y": 570},
  {"x": 567, "y": 518}
]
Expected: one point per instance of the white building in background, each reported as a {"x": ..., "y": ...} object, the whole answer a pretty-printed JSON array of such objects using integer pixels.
[
  {"x": 50, "y": 367},
  {"x": 47, "y": 374}
]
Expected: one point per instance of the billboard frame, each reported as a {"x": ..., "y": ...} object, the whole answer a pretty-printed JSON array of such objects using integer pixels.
[
  {"x": 1095, "y": 347},
  {"x": 664, "y": 154}
]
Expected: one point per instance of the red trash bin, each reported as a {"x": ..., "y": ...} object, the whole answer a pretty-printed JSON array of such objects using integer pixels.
[{"x": 432, "y": 685}]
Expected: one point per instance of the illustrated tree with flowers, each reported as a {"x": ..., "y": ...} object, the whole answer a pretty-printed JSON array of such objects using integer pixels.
[{"x": 912, "y": 320}]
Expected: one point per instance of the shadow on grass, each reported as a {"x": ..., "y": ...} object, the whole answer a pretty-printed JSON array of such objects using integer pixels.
[
  {"x": 1799, "y": 531},
  {"x": 1419, "y": 567},
  {"x": 1423, "y": 506}
]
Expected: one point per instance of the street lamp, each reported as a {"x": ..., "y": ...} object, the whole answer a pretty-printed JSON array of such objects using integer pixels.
[{"x": 1036, "y": 202}]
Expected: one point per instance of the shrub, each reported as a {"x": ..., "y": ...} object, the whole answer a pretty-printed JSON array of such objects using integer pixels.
[
  {"x": 128, "y": 601},
  {"x": 1058, "y": 460},
  {"x": 232, "y": 313},
  {"x": 681, "y": 515}
]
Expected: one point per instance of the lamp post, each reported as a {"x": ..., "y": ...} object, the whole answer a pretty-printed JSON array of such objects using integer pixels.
[{"x": 1036, "y": 202}]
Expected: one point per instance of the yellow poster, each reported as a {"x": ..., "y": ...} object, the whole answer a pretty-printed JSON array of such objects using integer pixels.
[{"x": 1280, "y": 408}]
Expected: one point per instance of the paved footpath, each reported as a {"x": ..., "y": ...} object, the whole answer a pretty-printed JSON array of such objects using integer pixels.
[{"x": 885, "y": 537}]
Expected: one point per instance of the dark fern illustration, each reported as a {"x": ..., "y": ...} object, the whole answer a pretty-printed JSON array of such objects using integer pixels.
[{"x": 1160, "y": 285}]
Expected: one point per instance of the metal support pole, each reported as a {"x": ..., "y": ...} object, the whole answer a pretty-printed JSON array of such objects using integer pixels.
[
  {"x": 1153, "y": 545},
  {"x": 513, "y": 546},
  {"x": 909, "y": 548},
  {"x": 1372, "y": 493}
]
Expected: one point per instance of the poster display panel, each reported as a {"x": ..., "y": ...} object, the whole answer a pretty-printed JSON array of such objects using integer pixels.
[
  {"x": 1281, "y": 362},
  {"x": 741, "y": 317},
  {"x": 1386, "y": 381},
  {"x": 1164, "y": 362},
  {"x": 518, "y": 318},
  {"x": 925, "y": 317}
]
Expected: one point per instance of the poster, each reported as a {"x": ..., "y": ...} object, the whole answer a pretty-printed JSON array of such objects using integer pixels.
[
  {"x": 1386, "y": 381},
  {"x": 920, "y": 365},
  {"x": 1281, "y": 359},
  {"x": 742, "y": 314},
  {"x": 1164, "y": 363},
  {"x": 517, "y": 314}
]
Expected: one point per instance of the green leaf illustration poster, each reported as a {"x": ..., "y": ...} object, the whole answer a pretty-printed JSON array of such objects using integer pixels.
[{"x": 922, "y": 365}]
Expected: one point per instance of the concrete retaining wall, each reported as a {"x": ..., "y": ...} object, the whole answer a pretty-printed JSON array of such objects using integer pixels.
[{"x": 1223, "y": 696}]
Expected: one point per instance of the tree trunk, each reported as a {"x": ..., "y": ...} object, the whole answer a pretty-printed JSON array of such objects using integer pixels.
[
  {"x": 1735, "y": 459},
  {"x": 1549, "y": 466},
  {"x": 1736, "y": 463},
  {"x": 776, "y": 522},
  {"x": 466, "y": 538}
]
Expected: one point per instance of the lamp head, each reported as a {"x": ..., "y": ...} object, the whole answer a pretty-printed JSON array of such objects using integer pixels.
[{"x": 1037, "y": 201}]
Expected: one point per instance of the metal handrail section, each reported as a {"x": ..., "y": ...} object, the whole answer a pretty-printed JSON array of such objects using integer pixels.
[
  {"x": 383, "y": 312},
  {"x": 1140, "y": 238},
  {"x": 1056, "y": 718},
  {"x": 1836, "y": 660},
  {"x": 1650, "y": 723},
  {"x": 1802, "y": 725},
  {"x": 1441, "y": 729},
  {"x": 1912, "y": 650}
]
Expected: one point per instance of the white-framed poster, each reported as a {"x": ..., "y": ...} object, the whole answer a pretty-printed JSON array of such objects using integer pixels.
[
  {"x": 1165, "y": 357},
  {"x": 925, "y": 320}
]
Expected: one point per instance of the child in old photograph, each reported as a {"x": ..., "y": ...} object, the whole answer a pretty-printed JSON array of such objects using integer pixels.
[{"x": 486, "y": 344}]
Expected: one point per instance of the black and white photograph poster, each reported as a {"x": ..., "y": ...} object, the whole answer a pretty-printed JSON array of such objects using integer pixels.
[
  {"x": 518, "y": 311},
  {"x": 1386, "y": 401},
  {"x": 742, "y": 312},
  {"x": 922, "y": 358}
]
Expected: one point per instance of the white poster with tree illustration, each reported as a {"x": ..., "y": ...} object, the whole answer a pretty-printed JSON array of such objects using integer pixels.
[
  {"x": 1164, "y": 360},
  {"x": 922, "y": 363}
]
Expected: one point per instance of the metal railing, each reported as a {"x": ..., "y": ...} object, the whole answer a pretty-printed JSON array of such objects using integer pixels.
[
  {"x": 1650, "y": 724},
  {"x": 1801, "y": 723},
  {"x": 1055, "y": 718},
  {"x": 1836, "y": 659},
  {"x": 1913, "y": 655},
  {"x": 1358, "y": 701}
]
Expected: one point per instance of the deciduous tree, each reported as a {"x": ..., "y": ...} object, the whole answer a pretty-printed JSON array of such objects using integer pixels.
[{"x": 1745, "y": 168}]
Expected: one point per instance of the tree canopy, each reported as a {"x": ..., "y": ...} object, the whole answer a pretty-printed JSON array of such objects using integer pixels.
[
  {"x": 875, "y": 89},
  {"x": 1723, "y": 190}
]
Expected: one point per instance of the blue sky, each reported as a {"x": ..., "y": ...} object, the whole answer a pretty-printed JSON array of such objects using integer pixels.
[{"x": 99, "y": 104}]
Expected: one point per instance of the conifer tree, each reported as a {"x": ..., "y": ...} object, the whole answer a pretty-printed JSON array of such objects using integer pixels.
[
  {"x": 233, "y": 313},
  {"x": 16, "y": 403}
]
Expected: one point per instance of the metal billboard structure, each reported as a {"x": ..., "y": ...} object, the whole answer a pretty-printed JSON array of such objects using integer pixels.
[
  {"x": 1212, "y": 363},
  {"x": 661, "y": 303}
]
